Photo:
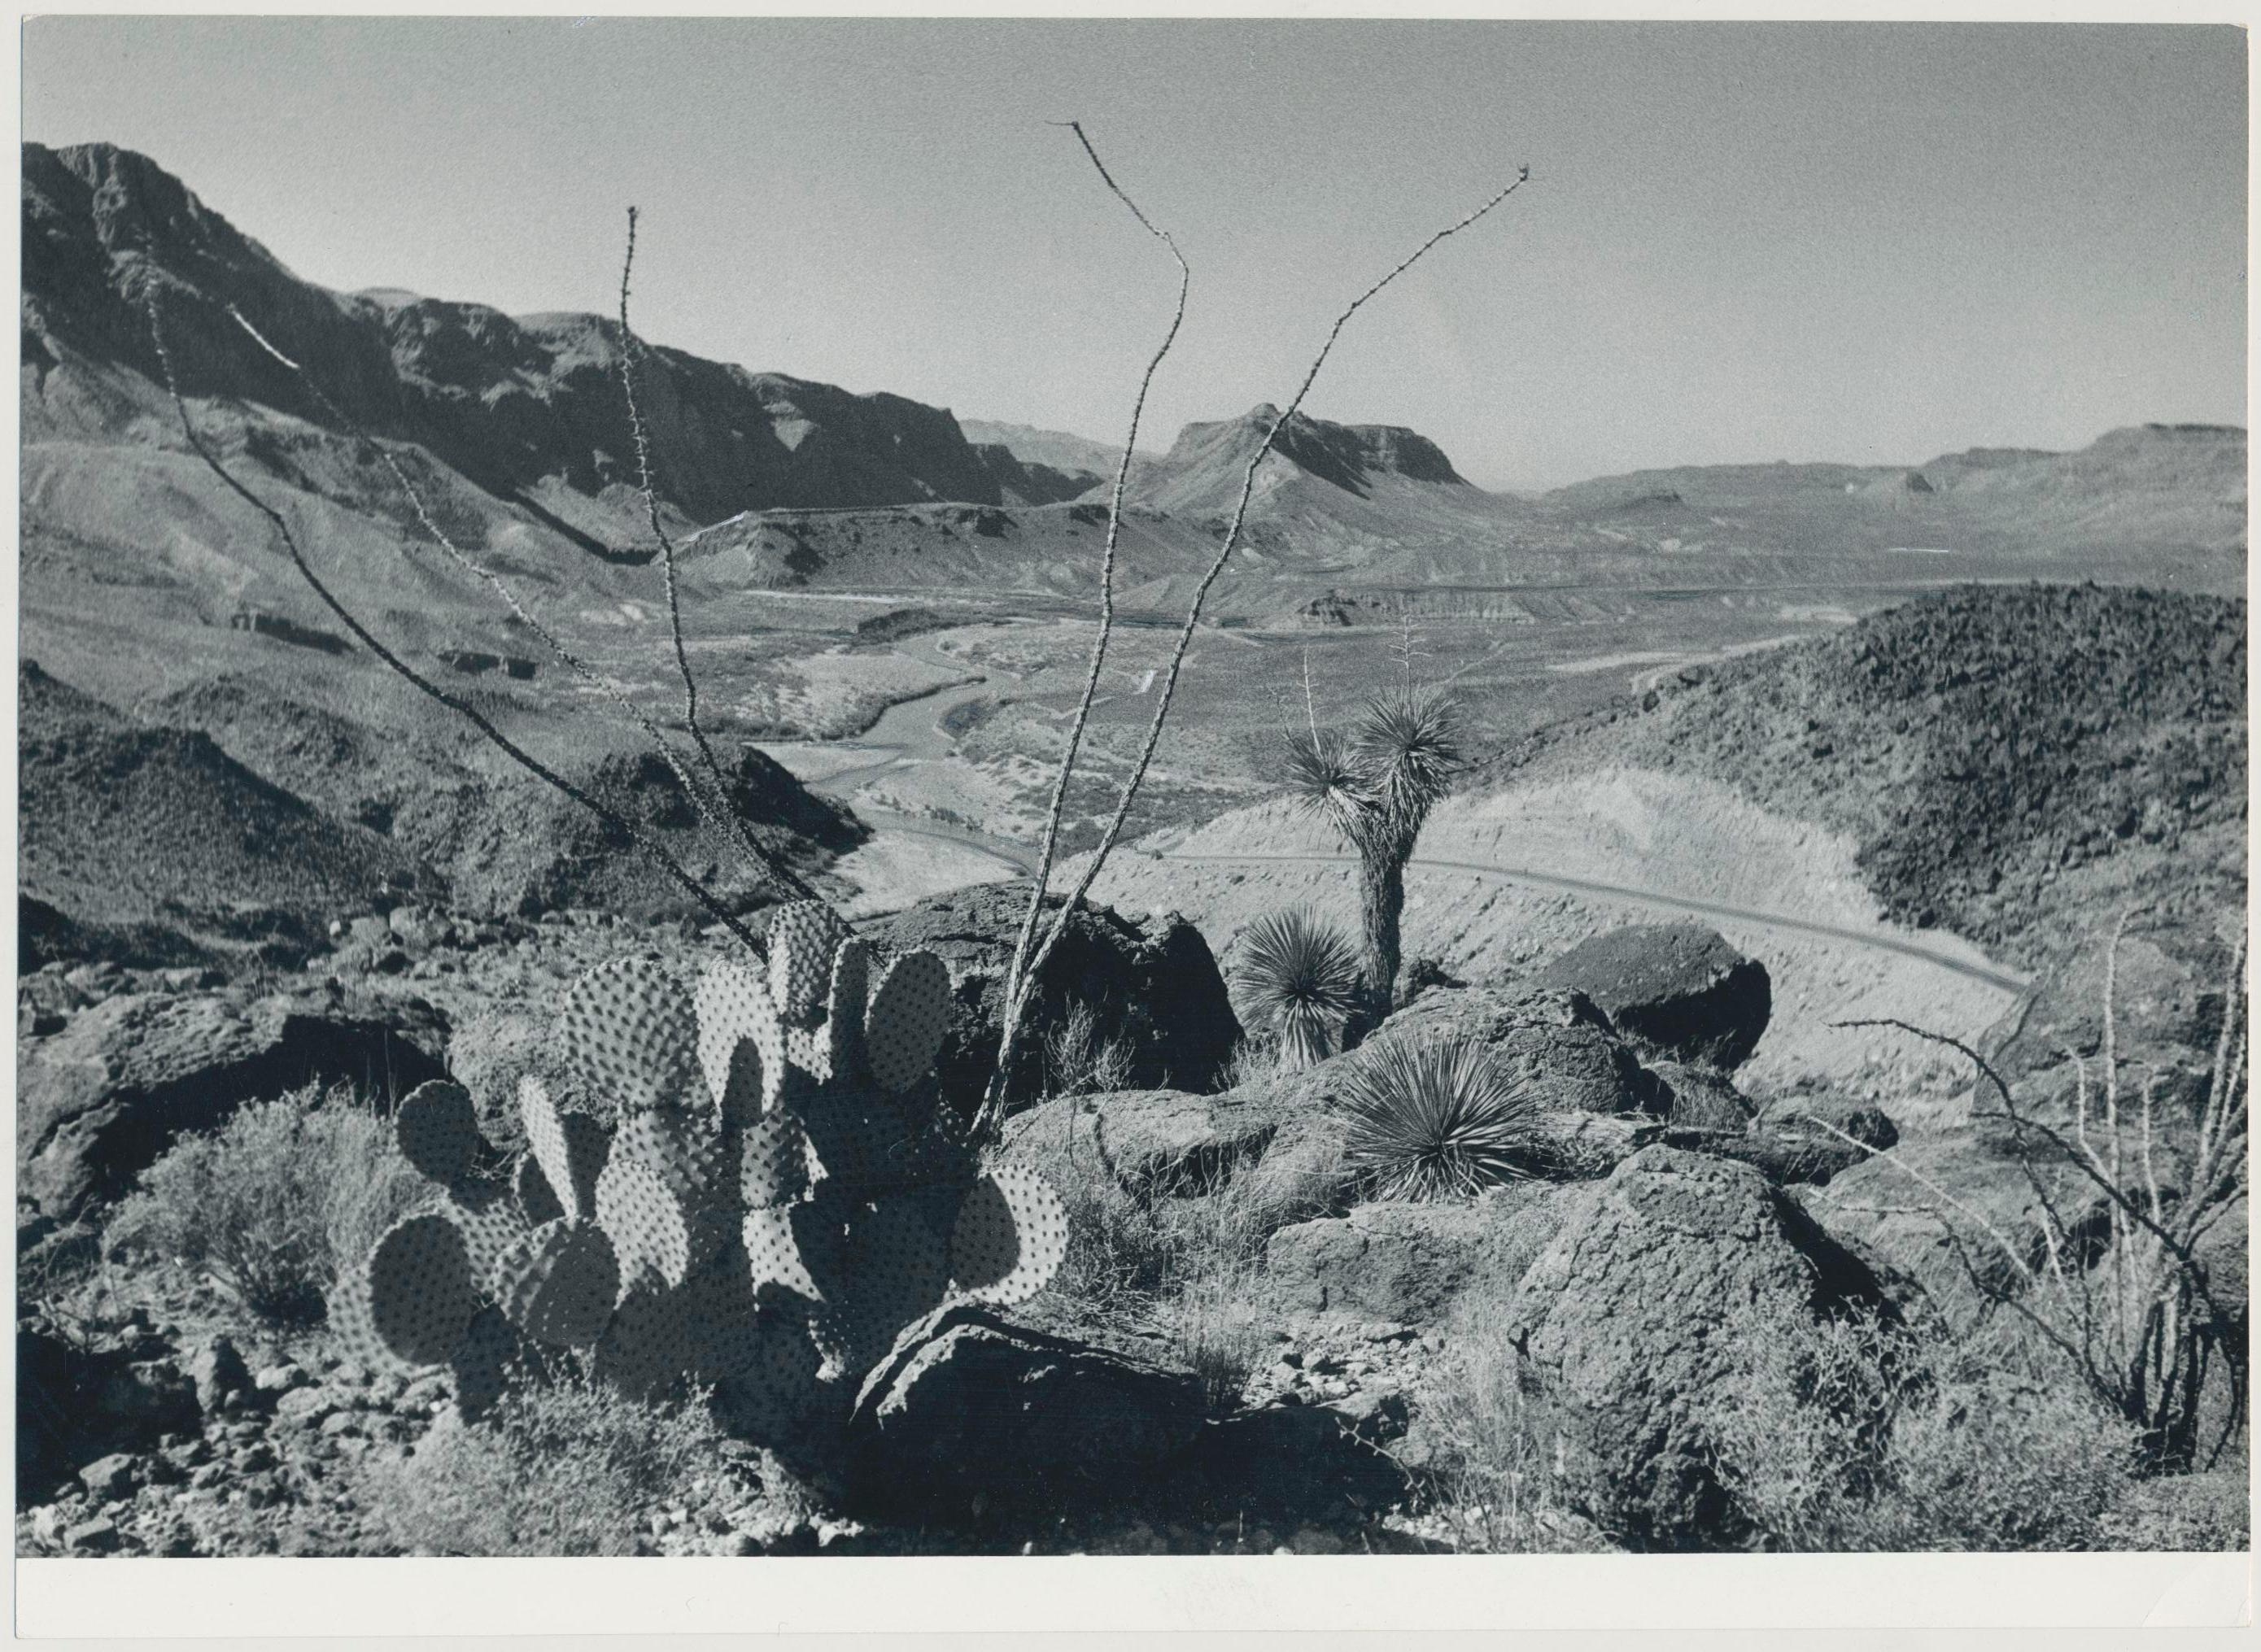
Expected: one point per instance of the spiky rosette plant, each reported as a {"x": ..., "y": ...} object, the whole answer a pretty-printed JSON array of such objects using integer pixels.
[
  {"x": 1434, "y": 1118},
  {"x": 779, "y": 1199},
  {"x": 1300, "y": 977}
]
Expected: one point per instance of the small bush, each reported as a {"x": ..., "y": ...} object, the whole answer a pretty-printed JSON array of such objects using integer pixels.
[
  {"x": 1217, "y": 1331},
  {"x": 571, "y": 1469},
  {"x": 1081, "y": 1061},
  {"x": 1437, "y": 1118},
  {"x": 1298, "y": 977},
  {"x": 1854, "y": 1433},
  {"x": 275, "y": 1202},
  {"x": 1495, "y": 1486}
]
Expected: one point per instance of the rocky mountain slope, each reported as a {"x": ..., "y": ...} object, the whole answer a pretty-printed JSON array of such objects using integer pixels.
[{"x": 2008, "y": 759}]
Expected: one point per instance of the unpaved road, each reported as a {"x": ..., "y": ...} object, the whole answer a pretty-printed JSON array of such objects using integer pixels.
[{"x": 1992, "y": 977}]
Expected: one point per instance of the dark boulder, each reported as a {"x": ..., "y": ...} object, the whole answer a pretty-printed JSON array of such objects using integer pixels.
[
  {"x": 969, "y": 1406},
  {"x": 1678, "y": 988},
  {"x": 101, "y": 1100},
  {"x": 1151, "y": 988},
  {"x": 1702, "y": 1098},
  {"x": 1151, "y": 1143},
  {"x": 1629, "y": 1318}
]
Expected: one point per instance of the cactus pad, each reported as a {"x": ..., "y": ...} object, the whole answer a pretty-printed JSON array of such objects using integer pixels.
[
  {"x": 647, "y": 1349},
  {"x": 557, "y": 1283},
  {"x": 651, "y": 1225},
  {"x": 772, "y": 1162},
  {"x": 909, "y": 1015},
  {"x": 420, "y": 1294},
  {"x": 491, "y": 1221},
  {"x": 801, "y": 937},
  {"x": 480, "y": 1366},
  {"x": 536, "y": 1202},
  {"x": 1010, "y": 1237},
  {"x": 570, "y": 1146},
  {"x": 438, "y": 1130},
  {"x": 735, "y": 1012},
  {"x": 631, "y": 1030}
]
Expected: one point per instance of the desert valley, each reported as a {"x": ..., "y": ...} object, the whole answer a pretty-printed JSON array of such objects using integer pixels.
[{"x": 1780, "y": 790}]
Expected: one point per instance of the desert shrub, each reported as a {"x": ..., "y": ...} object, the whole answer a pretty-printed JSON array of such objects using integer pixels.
[
  {"x": 1852, "y": 1433},
  {"x": 1217, "y": 1329},
  {"x": 1432, "y": 1118},
  {"x": 2207, "y": 1512},
  {"x": 1297, "y": 977},
  {"x": 1493, "y": 1483},
  {"x": 574, "y": 1467},
  {"x": 274, "y": 1203},
  {"x": 1079, "y": 1060}
]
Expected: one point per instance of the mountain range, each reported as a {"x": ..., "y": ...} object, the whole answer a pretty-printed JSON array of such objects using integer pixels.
[{"x": 518, "y": 427}]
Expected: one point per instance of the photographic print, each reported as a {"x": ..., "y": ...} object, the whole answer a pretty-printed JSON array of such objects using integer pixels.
[{"x": 1130, "y": 787}]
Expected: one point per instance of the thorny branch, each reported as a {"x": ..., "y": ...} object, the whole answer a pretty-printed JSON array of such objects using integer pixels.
[
  {"x": 993, "y": 1107},
  {"x": 1015, "y": 976},
  {"x": 631, "y": 347}
]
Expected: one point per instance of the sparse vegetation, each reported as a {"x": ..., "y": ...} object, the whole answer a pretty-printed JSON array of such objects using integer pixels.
[
  {"x": 276, "y": 1202},
  {"x": 567, "y": 1468},
  {"x": 1080, "y": 1059},
  {"x": 1435, "y": 1118},
  {"x": 1853, "y": 1433},
  {"x": 1298, "y": 976}
]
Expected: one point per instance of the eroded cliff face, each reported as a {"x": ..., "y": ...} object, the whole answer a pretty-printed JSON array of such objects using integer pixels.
[{"x": 507, "y": 402}]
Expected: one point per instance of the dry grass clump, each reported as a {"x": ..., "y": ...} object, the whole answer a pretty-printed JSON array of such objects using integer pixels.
[
  {"x": 573, "y": 1468},
  {"x": 1496, "y": 1484},
  {"x": 1854, "y": 1433},
  {"x": 274, "y": 1203},
  {"x": 1079, "y": 1060}
]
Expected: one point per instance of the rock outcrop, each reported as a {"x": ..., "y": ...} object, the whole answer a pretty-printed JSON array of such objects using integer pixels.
[
  {"x": 1153, "y": 989},
  {"x": 1628, "y": 1318},
  {"x": 1678, "y": 988},
  {"x": 99, "y": 1101}
]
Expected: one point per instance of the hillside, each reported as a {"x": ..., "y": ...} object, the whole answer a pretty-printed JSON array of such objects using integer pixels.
[
  {"x": 159, "y": 840},
  {"x": 2005, "y": 757}
]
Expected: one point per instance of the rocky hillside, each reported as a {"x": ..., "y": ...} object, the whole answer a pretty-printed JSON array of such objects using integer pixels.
[
  {"x": 2005, "y": 756},
  {"x": 158, "y": 841},
  {"x": 510, "y": 404}
]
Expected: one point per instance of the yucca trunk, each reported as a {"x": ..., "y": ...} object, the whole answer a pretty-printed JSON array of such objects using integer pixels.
[{"x": 1381, "y": 904}]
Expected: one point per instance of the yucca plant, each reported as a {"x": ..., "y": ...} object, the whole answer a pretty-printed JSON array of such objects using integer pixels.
[
  {"x": 1299, "y": 976},
  {"x": 1378, "y": 783},
  {"x": 1437, "y": 1118}
]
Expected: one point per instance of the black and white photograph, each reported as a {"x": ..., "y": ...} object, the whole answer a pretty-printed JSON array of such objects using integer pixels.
[{"x": 1134, "y": 788}]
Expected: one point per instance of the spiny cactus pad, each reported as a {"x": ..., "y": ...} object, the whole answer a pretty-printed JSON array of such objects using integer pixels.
[
  {"x": 570, "y": 1147},
  {"x": 557, "y": 1283},
  {"x": 740, "y": 1037},
  {"x": 909, "y": 1013},
  {"x": 438, "y": 1130},
  {"x": 632, "y": 1030},
  {"x": 1010, "y": 1238},
  {"x": 802, "y": 935},
  {"x": 421, "y": 1295}
]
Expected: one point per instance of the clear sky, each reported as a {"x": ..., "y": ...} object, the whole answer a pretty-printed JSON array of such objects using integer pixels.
[{"x": 1860, "y": 242}]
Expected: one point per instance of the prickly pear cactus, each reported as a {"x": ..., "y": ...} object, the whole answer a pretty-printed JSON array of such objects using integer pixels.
[{"x": 781, "y": 1199}]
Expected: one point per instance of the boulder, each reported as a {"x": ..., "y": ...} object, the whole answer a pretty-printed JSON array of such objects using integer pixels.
[
  {"x": 1152, "y": 987},
  {"x": 1413, "y": 1262},
  {"x": 101, "y": 1100},
  {"x": 1702, "y": 1097},
  {"x": 1627, "y": 1320},
  {"x": 1155, "y": 1143},
  {"x": 218, "y": 1370},
  {"x": 1815, "y": 1137},
  {"x": 1558, "y": 1041},
  {"x": 969, "y": 1406},
  {"x": 1678, "y": 988},
  {"x": 1922, "y": 1217}
]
